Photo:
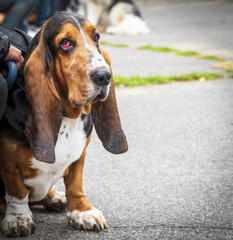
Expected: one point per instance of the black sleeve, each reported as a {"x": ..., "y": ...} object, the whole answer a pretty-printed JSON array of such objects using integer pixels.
[{"x": 4, "y": 46}]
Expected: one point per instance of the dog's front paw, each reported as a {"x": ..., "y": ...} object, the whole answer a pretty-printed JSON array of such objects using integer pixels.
[
  {"x": 18, "y": 225},
  {"x": 18, "y": 221},
  {"x": 87, "y": 220}
]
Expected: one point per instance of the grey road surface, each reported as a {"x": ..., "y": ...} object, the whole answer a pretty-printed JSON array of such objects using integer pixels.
[{"x": 176, "y": 180}]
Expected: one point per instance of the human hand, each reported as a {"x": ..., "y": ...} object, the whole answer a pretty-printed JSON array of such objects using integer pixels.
[{"x": 14, "y": 54}]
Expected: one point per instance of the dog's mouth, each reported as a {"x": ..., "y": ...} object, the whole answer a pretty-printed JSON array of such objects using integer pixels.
[
  {"x": 103, "y": 94},
  {"x": 100, "y": 95}
]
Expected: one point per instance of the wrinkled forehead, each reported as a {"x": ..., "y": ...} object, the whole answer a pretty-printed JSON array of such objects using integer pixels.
[
  {"x": 70, "y": 25},
  {"x": 59, "y": 19}
]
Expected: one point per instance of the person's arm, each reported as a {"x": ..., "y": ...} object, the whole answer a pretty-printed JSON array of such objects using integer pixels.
[
  {"x": 9, "y": 52},
  {"x": 15, "y": 55}
]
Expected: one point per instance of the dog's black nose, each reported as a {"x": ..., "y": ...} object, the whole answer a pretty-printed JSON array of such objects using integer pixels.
[{"x": 101, "y": 77}]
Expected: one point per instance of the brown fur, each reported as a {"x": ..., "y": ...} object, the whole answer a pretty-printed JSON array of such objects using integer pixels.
[
  {"x": 53, "y": 93},
  {"x": 15, "y": 164},
  {"x": 46, "y": 109},
  {"x": 73, "y": 179}
]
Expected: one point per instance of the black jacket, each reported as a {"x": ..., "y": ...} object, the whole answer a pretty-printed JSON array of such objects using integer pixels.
[{"x": 4, "y": 46}]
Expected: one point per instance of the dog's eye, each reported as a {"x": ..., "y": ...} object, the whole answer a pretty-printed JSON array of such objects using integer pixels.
[
  {"x": 96, "y": 38},
  {"x": 65, "y": 44}
]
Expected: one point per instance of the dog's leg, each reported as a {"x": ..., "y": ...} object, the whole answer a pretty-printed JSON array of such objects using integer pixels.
[
  {"x": 94, "y": 11},
  {"x": 55, "y": 201},
  {"x": 81, "y": 214},
  {"x": 18, "y": 219}
]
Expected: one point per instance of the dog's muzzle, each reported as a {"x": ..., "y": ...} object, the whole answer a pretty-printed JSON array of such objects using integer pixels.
[{"x": 101, "y": 77}]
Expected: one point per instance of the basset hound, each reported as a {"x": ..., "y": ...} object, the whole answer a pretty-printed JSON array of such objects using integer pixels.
[{"x": 47, "y": 126}]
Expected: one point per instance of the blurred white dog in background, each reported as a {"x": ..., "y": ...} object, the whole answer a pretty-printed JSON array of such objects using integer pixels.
[{"x": 120, "y": 17}]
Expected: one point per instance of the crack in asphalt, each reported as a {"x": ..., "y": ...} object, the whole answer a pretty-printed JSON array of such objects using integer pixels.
[{"x": 173, "y": 226}]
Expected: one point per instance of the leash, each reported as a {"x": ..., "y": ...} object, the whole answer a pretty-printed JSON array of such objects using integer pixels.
[
  {"x": 20, "y": 82},
  {"x": 13, "y": 76}
]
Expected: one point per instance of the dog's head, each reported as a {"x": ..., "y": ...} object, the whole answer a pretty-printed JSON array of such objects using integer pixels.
[{"x": 66, "y": 73}]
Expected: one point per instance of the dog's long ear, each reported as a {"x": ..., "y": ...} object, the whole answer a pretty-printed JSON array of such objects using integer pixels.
[
  {"x": 107, "y": 121},
  {"x": 45, "y": 113}
]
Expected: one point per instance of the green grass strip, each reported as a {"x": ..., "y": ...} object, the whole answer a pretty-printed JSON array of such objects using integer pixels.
[
  {"x": 120, "y": 45},
  {"x": 156, "y": 49},
  {"x": 189, "y": 53},
  {"x": 133, "y": 81},
  {"x": 210, "y": 57},
  {"x": 164, "y": 49}
]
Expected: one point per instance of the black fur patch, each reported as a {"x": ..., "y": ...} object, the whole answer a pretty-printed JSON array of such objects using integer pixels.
[
  {"x": 15, "y": 115},
  {"x": 131, "y": 2},
  {"x": 88, "y": 123}
]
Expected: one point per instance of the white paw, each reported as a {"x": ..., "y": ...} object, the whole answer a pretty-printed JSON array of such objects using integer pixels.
[
  {"x": 18, "y": 218},
  {"x": 19, "y": 225},
  {"x": 111, "y": 30},
  {"x": 88, "y": 220}
]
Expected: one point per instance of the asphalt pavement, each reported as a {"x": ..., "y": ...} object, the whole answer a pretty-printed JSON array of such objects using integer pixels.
[{"x": 176, "y": 180}]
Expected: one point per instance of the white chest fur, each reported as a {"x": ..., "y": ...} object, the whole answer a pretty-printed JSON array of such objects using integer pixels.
[{"x": 69, "y": 147}]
